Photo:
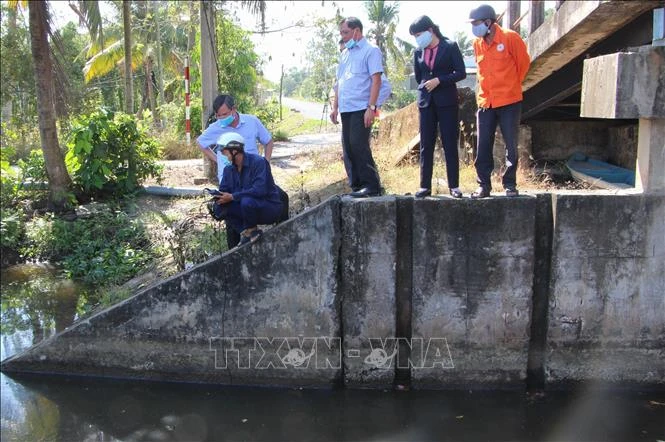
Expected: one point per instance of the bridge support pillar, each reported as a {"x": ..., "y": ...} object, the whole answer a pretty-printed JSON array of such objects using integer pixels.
[{"x": 629, "y": 85}]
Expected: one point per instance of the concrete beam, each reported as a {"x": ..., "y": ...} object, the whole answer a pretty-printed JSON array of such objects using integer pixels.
[
  {"x": 607, "y": 309},
  {"x": 625, "y": 84},
  {"x": 512, "y": 14},
  {"x": 573, "y": 29},
  {"x": 559, "y": 85},
  {"x": 367, "y": 269},
  {"x": 537, "y": 15},
  {"x": 650, "y": 156}
]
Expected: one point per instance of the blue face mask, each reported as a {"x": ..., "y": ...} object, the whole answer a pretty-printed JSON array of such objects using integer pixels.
[
  {"x": 479, "y": 30},
  {"x": 224, "y": 161},
  {"x": 224, "y": 122},
  {"x": 423, "y": 40},
  {"x": 351, "y": 43}
]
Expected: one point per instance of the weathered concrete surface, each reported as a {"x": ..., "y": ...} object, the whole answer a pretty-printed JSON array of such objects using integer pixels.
[
  {"x": 622, "y": 147},
  {"x": 651, "y": 156},
  {"x": 367, "y": 266},
  {"x": 472, "y": 284},
  {"x": 573, "y": 29},
  {"x": 625, "y": 84},
  {"x": 284, "y": 286},
  {"x": 607, "y": 300}
]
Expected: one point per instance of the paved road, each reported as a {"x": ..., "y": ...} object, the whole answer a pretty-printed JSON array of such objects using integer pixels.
[
  {"x": 305, "y": 143},
  {"x": 308, "y": 109}
]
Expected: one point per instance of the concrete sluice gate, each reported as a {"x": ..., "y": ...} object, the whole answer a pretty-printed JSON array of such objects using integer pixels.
[{"x": 435, "y": 293}]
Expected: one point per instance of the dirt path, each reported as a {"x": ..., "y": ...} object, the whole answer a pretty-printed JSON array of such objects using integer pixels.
[{"x": 288, "y": 158}]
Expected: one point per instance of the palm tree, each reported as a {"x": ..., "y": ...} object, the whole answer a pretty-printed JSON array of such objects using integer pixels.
[
  {"x": 127, "y": 45},
  {"x": 384, "y": 19},
  {"x": 40, "y": 30}
]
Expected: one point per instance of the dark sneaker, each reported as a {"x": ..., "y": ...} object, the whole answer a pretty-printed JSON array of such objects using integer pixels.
[
  {"x": 511, "y": 192},
  {"x": 480, "y": 192}
]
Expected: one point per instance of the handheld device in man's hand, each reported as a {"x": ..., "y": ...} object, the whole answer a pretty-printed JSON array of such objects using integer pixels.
[{"x": 213, "y": 192}]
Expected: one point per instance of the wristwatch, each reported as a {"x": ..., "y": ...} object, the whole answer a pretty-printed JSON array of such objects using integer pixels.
[{"x": 372, "y": 107}]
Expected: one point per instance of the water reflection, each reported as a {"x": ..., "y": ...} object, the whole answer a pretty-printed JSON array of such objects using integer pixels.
[
  {"x": 37, "y": 297},
  {"x": 128, "y": 411}
]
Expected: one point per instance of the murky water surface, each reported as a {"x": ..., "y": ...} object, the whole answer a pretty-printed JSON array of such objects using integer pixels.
[{"x": 80, "y": 409}]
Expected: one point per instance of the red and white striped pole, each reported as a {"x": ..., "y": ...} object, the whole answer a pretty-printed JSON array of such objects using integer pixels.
[{"x": 188, "y": 124}]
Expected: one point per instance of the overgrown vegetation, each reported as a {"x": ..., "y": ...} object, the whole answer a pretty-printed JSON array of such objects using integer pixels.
[
  {"x": 106, "y": 249},
  {"x": 110, "y": 154}
]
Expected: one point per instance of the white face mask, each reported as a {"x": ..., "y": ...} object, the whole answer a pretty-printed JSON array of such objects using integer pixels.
[{"x": 480, "y": 30}]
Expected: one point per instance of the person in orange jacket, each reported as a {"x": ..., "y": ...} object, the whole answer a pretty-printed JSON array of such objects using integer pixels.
[{"x": 503, "y": 62}]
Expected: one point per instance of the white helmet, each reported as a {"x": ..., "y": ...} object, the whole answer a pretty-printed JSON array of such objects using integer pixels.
[{"x": 231, "y": 140}]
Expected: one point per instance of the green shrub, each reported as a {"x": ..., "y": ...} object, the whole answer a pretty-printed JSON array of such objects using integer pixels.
[
  {"x": 280, "y": 135},
  {"x": 108, "y": 249},
  {"x": 400, "y": 98},
  {"x": 9, "y": 181},
  {"x": 33, "y": 168},
  {"x": 20, "y": 137},
  {"x": 110, "y": 154},
  {"x": 268, "y": 114},
  {"x": 12, "y": 227}
]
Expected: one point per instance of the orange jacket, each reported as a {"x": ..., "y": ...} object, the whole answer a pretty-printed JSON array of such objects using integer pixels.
[{"x": 502, "y": 67}]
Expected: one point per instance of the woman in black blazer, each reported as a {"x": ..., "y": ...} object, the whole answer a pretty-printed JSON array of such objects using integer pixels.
[{"x": 438, "y": 66}]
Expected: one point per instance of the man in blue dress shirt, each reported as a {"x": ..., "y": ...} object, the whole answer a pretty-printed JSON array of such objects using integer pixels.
[
  {"x": 356, "y": 100},
  {"x": 230, "y": 120}
]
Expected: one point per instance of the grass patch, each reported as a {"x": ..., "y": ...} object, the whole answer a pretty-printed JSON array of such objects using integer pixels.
[
  {"x": 295, "y": 123},
  {"x": 176, "y": 149}
]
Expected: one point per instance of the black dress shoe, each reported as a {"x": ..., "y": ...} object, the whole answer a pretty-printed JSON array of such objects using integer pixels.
[
  {"x": 455, "y": 193},
  {"x": 423, "y": 192},
  {"x": 364, "y": 193},
  {"x": 481, "y": 192}
]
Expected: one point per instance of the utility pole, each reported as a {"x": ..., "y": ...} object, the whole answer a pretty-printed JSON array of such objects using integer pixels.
[
  {"x": 281, "y": 83},
  {"x": 208, "y": 73}
]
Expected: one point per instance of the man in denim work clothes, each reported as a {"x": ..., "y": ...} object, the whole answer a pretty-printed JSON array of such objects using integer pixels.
[
  {"x": 247, "y": 193},
  {"x": 356, "y": 100}
]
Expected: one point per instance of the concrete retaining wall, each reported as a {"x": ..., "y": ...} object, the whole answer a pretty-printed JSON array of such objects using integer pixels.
[
  {"x": 472, "y": 279},
  {"x": 438, "y": 293},
  {"x": 607, "y": 300}
]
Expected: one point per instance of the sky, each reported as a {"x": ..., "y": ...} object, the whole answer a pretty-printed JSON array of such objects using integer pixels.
[{"x": 288, "y": 46}]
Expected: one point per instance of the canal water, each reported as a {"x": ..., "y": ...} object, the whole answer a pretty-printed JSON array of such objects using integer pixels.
[{"x": 86, "y": 409}]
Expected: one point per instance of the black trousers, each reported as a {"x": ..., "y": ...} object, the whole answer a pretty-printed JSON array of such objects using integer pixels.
[
  {"x": 508, "y": 119},
  {"x": 446, "y": 117},
  {"x": 355, "y": 142}
]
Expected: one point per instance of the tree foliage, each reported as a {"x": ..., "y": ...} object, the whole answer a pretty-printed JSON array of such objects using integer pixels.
[
  {"x": 464, "y": 42},
  {"x": 237, "y": 62},
  {"x": 110, "y": 153},
  {"x": 322, "y": 57}
]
